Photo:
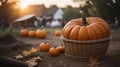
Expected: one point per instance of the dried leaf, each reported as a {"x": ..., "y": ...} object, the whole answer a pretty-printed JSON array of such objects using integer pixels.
[
  {"x": 49, "y": 65},
  {"x": 33, "y": 50},
  {"x": 39, "y": 58},
  {"x": 18, "y": 56},
  {"x": 93, "y": 62},
  {"x": 33, "y": 61},
  {"x": 31, "y": 64},
  {"x": 26, "y": 53},
  {"x": 60, "y": 62}
]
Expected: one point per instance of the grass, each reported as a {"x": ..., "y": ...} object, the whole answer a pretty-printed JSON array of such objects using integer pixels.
[
  {"x": 48, "y": 30},
  {"x": 15, "y": 31},
  {"x": 115, "y": 30}
]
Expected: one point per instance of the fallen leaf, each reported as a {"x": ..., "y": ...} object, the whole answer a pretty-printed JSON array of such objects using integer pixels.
[
  {"x": 26, "y": 53},
  {"x": 31, "y": 64},
  {"x": 35, "y": 59},
  {"x": 93, "y": 62},
  {"x": 18, "y": 56},
  {"x": 39, "y": 58},
  {"x": 33, "y": 50},
  {"x": 49, "y": 65},
  {"x": 60, "y": 62}
]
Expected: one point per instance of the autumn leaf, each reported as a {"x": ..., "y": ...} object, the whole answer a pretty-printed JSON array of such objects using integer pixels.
[
  {"x": 33, "y": 50},
  {"x": 33, "y": 61},
  {"x": 26, "y": 53},
  {"x": 93, "y": 62},
  {"x": 31, "y": 64},
  {"x": 18, "y": 57}
]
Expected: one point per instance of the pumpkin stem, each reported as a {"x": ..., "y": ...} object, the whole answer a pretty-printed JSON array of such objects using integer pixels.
[
  {"x": 62, "y": 44},
  {"x": 42, "y": 27},
  {"x": 84, "y": 22},
  {"x": 55, "y": 46},
  {"x": 46, "y": 41},
  {"x": 32, "y": 28}
]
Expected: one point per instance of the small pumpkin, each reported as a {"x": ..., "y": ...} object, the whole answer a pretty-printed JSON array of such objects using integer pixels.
[
  {"x": 23, "y": 32},
  {"x": 31, "y": 33},
  {"x": 53, "y": 51},
  {"x": 44, "y": 46},
  {"x": 57, "y": 33},
  {"x": 61, "y": 48},
  {"x": 89, "y": 28},
  {"x": 41, "y": 33}
]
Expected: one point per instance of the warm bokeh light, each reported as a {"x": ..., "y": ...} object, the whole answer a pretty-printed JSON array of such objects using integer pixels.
[
  {"x": 60, "y": 3},
  {"x": 24, "y": 3},
  {"x": 47, "y": 3}
]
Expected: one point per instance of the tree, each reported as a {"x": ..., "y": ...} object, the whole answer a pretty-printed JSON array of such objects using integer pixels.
[
  {"x": 103, "y": 8},
  {"x": 71, "y": 13},
  {"x": 7, "y": 12}
]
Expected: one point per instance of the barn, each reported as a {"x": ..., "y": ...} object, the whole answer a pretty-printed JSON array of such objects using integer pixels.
[{"x": 26, "y": 21}]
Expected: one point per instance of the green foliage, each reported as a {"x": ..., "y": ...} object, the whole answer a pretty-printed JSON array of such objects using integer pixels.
[
  {"x": 71, "y": 13},
  {"x": 102, "y": 8},
  {"x": 14, "y": 32}
]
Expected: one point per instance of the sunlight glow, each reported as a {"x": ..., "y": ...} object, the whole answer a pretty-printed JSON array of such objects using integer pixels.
[
  {"x": 24, "y": 4},
  {"x": 47, "y": 3}
]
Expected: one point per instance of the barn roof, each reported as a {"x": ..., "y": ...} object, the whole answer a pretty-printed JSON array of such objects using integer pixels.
[
  {"x": 51, "y": 11},
  {"x": 24, "y": 18}
]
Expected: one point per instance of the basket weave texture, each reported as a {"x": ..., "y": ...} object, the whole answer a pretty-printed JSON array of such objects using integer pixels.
[{"x": 83, "y": 50}]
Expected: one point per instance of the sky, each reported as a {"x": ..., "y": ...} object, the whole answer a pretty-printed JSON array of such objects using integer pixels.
[{"x": 47, "y": 3}]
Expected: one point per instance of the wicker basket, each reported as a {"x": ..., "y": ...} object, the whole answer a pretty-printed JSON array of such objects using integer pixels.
[{"x": 82, "y": 50}]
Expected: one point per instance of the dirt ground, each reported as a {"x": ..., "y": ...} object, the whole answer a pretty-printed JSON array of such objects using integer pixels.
[{"x": 112, "y": 58}]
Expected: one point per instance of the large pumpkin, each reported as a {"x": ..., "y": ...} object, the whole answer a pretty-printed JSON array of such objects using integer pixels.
[{"x": 89, "y": 28}]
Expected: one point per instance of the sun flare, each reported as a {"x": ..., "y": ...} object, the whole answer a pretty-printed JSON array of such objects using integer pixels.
[{"x": 24, "y": 4}]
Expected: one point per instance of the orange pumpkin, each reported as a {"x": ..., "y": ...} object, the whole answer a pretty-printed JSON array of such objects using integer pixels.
[
  {"x": 57, "y": 33},
  {"x": 89, "y": 28},
  {"x": 23, "y": 32},
  {"x": 61, "y": 48},
  {"x": 44, "y": 46},
  {"x": 41, "y": 33},
  {"x": 53, "y": 51},
  {"x": 31, "y": 33}
]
